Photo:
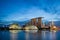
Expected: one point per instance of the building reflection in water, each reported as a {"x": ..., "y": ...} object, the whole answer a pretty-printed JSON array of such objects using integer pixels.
[
  {"x": 48, "y": 35},
  {"x": 45, "y": 35},
  {"x": 27, "y": 36},
  {"x": 14, "y": 34},
  {"x": 53, "y": 35},
  {"x": 33, "y": 35},
  {"x": 41, "y": 35},
  {"x": 31, "y": 31},
  {"x": 30, "y": 34}
]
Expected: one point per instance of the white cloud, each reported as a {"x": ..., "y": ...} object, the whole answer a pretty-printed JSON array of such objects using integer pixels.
[
  {"x": 32, "y": 12},
  {"x": 35, "y": 12}
]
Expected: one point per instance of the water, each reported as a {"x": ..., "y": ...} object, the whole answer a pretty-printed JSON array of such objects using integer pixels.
[{"x": 29, "y": 35}]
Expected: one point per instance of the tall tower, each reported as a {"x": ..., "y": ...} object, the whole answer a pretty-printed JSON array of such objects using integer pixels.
[
  {"x": 40, "y": 22},
  {"x": 53, "y": 27},
  {"x": 52, "y": 23},
  {"x": 43, "y": 25},
  {"x": 34, "y": 21}
]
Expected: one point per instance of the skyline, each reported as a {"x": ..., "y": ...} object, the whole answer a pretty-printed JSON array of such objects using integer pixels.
[{"x": 21, "y": 10}]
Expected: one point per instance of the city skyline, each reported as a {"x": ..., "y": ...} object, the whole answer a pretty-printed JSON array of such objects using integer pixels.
[
  {"x": 21, "y": 10},
  {"x": 29, "y": 19}
]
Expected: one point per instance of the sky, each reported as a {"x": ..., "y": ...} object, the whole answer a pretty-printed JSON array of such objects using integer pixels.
[{"x": 22, "y": 10}]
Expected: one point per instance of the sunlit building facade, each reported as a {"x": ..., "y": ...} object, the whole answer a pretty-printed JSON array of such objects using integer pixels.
[
  {"x": 52, "y": 26},
  {"x": 15, "y": 26}
]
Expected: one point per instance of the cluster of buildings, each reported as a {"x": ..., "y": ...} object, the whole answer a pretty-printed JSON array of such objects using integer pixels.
[{"x": 34, "y": 23}]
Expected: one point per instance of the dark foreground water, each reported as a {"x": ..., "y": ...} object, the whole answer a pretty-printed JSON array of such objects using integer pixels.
[{"x": 29, "y": 35}]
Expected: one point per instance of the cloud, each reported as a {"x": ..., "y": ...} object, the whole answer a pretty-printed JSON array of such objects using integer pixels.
[
  {"x": 33, "y": 12},
  {"x": 25, "y": 10}
]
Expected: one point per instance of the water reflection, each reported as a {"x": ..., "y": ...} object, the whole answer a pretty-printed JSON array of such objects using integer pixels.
[
  {"x": 15, "y": 31},
  {"x": 29, "y": 35},
  {"x": 44, "y": 35},
  {"x": 34, "y": 35},
  {"x": 53, "y": 35},
  {"x": 31, "y": 31},
  {"x": 14, "y": 34},
  {"x": 48, "y": 35},
  {"x": 41, "y": 35}
]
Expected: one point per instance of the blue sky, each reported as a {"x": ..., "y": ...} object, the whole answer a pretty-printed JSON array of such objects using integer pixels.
[{"x": 21, "y": 10}]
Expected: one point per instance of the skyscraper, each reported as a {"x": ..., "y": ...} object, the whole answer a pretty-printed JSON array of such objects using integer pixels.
[
  {"x": 34, "y": 21},
  {"x": 40, "y": 22}
]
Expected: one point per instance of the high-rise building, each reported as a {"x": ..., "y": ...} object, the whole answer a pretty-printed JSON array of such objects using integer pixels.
[
  {"x": 43, "y": 24},
  {"x": 53, "y": 27},
  {"x": 52, "y": 23},
  {"x": 34, "y": 21},
  {"x": 37, "y": 22},
  {"x": 40, "y": 22}
]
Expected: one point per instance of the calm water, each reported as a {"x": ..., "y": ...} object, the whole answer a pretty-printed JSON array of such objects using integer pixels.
[{"x": 29, "y": 35}]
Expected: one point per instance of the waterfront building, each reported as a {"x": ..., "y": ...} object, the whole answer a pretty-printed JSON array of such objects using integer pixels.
[{"x": 14, "y": 26}]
